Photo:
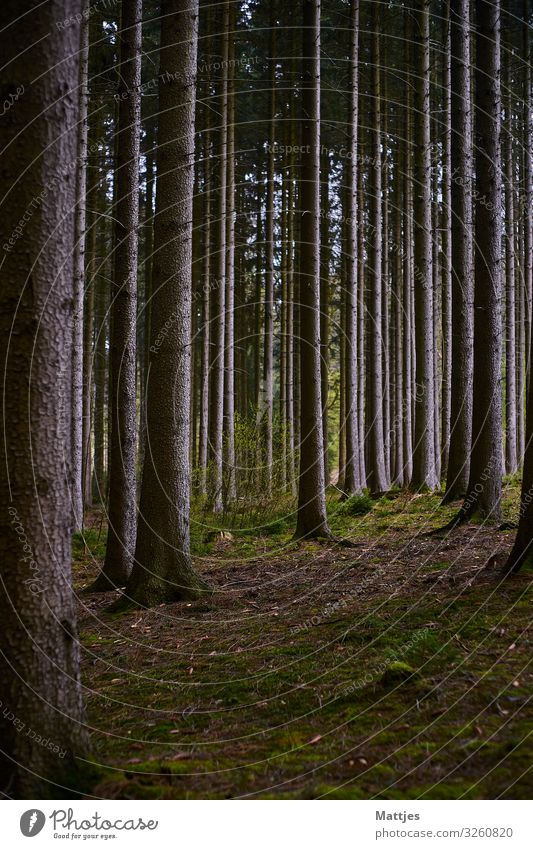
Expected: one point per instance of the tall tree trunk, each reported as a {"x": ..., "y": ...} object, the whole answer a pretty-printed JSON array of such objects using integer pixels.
[
  {"x": 162, "y": 570},
  {"x": 376, "y": 468},
  {"x": 79, "y": 281},
  {"x": 311, "y": 520},
  {"x": 218, "y": 300},
  {"x": 268, "y": 355},
  {"x": 407, "y": 299},
  {"x": 122, "y": 403},
  {"x": 485, "y": 483},
  {"x": 461, "y": 248},
  {"x": 447, "y": 328},
  {"x": 325, "y": 258},
  {"x": 352, "y": 479},
  {"x": 510, "y": 306},
  {"x": 424, "y": 472},
  {"x": 40, "y": 689},
  {"x": 230, "y": 492},
  {"x": 206, "y": 290}
]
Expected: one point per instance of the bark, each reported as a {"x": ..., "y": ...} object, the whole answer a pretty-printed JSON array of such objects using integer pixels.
[
  {"x": 352, "y": 478},
  {"x": 218, "y": 305},
  {"x": 511, "y": 462},
  {"x": 376, "y": 470},
  {"x": 461, "y": 254},
  {"x": 162, "y": 570},
  {"x": 311, "y": 520},
  {"x": 446, "y": 270},
  {"x": 407, "y": 305},
  {"x": 485, "y": 483},
  {"x": 122, "y": 403},
  {"x": 424, "y": 472},
  {"x": 206, "y": 274},
  {"x": 40, "y": 689},
  {"x": 79, "y": 282},
  {"x": 268, "y": 353},
  {"x": 230, "y": 492}
]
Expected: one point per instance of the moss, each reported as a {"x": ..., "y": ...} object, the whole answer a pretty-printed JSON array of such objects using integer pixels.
[{"x": 397, "y": 672}]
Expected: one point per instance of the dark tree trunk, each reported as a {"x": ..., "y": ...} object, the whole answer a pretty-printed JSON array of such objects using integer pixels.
[
  {"x": 312, "y": 520},
  {"x": 461, "y": 249},
  {"x": 352, "y": 478},
  {"x": 122, "y": 403},
  {"x": 376, "y": 468},
  {"x": 162, "y": 570},
  {"x": 424, "y": 472},
  {"x": 485, "y": 484},
  {"x": 40, "y": 689},
  {"x": 218, "y": 291}
]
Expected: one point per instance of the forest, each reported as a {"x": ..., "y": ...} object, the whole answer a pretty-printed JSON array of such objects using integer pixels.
[{"x": 266, "y": 471}]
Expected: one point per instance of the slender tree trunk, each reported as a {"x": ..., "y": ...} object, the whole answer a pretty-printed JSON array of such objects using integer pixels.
[
  {"x": 206, "y": 290},
  {"x": 485, "y": 483},
  {"x": 376, "y": 468},
  {"x": 325, "y": 258},
  {"x": 122, "y": 471},
  {"x": 397, "y": 336},
  {"x": 461, "y": 248},
  {"x": 424, "y": 472},
  {"x": 218, "y": 305},
  {"x": 312, "y": 520},
  {"x": 510, "y": 306},
  {"x": 268, "y": 355},
  {"x": 162, "y": 570},
  {"x": 352, "y": 479},
  {"x": 79, "y": 282},
  {"x": 447, "y": 328},
  {"x": 407, "y": 301},
  {"x": 40, "y": 689},
  {"x": 230, "y": 492},
  {"x": 528, "y": 188}
]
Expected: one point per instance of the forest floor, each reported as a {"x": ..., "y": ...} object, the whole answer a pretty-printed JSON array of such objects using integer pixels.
[{"x": 399, "y": 669}]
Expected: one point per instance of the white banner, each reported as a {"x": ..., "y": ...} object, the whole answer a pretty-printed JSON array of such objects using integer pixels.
[{"x": 255, "y": 825}]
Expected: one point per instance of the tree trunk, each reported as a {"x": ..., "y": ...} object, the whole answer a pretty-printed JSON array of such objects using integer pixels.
[
  {"x": 352, "y": 479},
  {"x": 42, "y": 729},
  {"x": 424, "y": 472},
  {"x": 311, "y": 520},
  {"x": 511, "y": 462},
  {"x": 268, "y": 354},
  {"x": 218, "y": 305},
  {"x": 122, "y": 403},
  {"x": 79, "y": 282},
  {"x": 376, "y": 469},
  {"x": 485, "y": 483},
  {"x": 461, "y": 248},
  {"x": 230, "y": 492},
  {"x": 162, "y": 570}
]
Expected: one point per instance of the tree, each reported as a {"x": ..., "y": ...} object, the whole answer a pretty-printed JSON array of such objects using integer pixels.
[
  {"x": 483, "y": 498},
  {"x": 461, "y": 251},
  {"x": 79, "y": 284},
  {"x": 39, "y": 662},
  {"x": 376, "y": 469},
  {"x": 485, "y": 483},
  {"x": 352, "y": 480},
  {"x": 123, "y": 409},
  {"x": 424, "y": 472},
  {"x": 162, "y": 570},
  {"x": 311, "y": 519},
  {"x": 218, "y": 300}
]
